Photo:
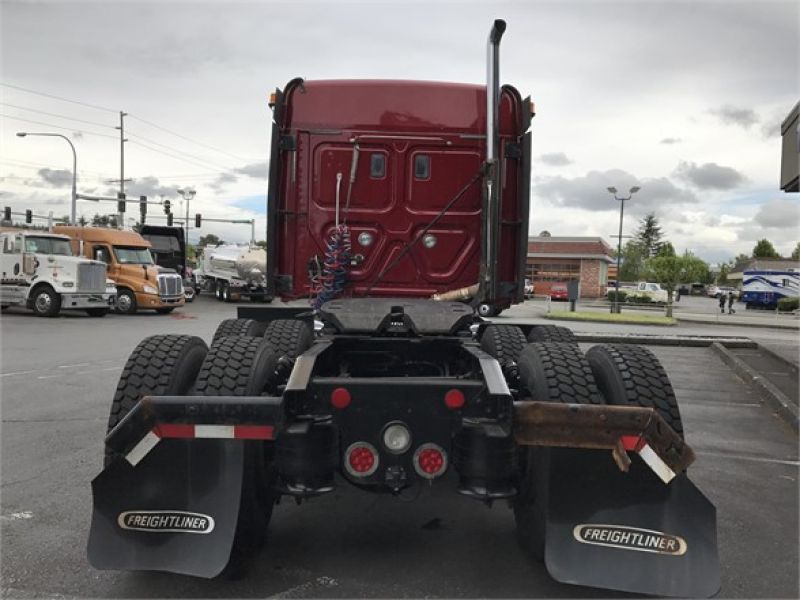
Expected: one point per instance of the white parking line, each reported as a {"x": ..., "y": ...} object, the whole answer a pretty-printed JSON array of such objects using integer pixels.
[
  {"x": 16, "y": 373},
  {"x": 776, "y": 461},
  {"x": 71, "y": 366},
  {"x": 24, "y": 514}
]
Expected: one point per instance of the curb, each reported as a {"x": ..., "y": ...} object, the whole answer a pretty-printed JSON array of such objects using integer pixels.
[
  {"x": 651, "y": 340},
  {"x": 567, "y": 320},
  {"x": 775, "y": 325},
  {"x": 791, "y": 365},
  {"x": 766, "y": 389}
]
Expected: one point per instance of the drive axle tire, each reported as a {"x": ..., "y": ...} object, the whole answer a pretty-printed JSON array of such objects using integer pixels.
[
  {"x": 248, "y": 327},
  {"x": 503, "y": 342},
  {"x": 289, "y": 337},
  {"x": 551, "y": 333},
  {"x": 161, "y": 365},
  {"x": 236, "y": 366},
  {"x": 629, "y": 375},
  {"x": 548, "y": 372},
  {"x": 241, "y": 366}
]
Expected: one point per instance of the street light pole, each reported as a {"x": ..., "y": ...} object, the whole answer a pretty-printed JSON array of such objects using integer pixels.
[
  {"x": 73, "y": 216},
  {"x": 187, "y": 195},
  {"x": 613, "y": 191}
]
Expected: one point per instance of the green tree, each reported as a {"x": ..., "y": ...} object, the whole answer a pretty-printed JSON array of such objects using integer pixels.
[
  {"x": 666, "y": 249},
  {"x": 649, "y": 234},
  {"x": 669, "y": 271},
  {"x": 633, "y": 256},
  {"x": 82, "y": 221},
  {"x": 724, "y": 271},
  {"x": 796, "y": 252},
  {"x": 740, "y": 261},
  {"x": 104, "y": 221},
  {"x": 209, "y": 240},
  {"x": 765, "y": 249}
]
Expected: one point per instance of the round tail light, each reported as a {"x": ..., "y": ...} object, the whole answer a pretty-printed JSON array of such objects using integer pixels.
[
  {"x": 454, "y": 399},
  {"x": 430, "y": 461},
  {"x": 340, "y": 398},
  {"x": 361, "y": 459}
]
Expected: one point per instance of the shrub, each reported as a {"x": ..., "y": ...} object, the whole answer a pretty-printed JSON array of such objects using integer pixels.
[
  {"x": 640, "y": 299},
  {"x": 612, "y": 295},
  {"x": 788, "y": 304}
]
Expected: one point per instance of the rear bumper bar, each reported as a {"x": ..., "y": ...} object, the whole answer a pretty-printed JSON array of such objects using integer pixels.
[
  {"x": 616, "y": 428},
  {"x": 224, "y": 417}
]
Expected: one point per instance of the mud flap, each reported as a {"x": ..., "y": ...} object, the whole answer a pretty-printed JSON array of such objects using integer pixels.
[
  {"x": 175, "y": 511},
  {"x": 628, "y": 531}
]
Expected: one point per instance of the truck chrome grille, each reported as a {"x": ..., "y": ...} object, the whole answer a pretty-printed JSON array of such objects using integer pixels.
[
  {"x": 91, "y": 277},
  {"x": 170, "y": 285}
]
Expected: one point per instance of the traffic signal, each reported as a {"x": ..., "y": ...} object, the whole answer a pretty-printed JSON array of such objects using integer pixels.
[
  {"x": 7, "y": 213},
  {"x": 169, "y": 219},
  {"x": 29, "y": 216},
  {"x": 121, "y": 203},
  {"x": 167, "y": 204},
  {"x": 198, "y": 220},
  {"x": 143, "y": 205}
]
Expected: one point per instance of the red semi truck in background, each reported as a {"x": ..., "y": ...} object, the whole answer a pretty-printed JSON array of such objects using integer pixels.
[{"x": 399, "y": 164}]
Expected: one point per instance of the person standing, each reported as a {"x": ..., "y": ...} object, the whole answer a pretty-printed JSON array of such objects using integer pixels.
[
  {"x": 722, "y": 303},
  {"x": 731, "y": 298}
]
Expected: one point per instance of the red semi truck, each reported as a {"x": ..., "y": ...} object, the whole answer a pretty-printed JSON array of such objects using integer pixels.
[
  {"x": 381, "y": 194},
  {"x": 400, "y": 164}
]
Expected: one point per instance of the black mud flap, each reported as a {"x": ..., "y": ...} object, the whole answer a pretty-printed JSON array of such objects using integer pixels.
[
  {"x": 628, "y": 531},
  {"x": 175, "y": 511}
]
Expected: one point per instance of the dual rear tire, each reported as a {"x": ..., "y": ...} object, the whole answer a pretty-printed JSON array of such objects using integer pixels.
[{"x": 614, "y": 374}]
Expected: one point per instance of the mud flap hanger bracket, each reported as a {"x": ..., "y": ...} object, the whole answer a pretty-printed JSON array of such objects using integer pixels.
[{"x": 616, "y": 428}]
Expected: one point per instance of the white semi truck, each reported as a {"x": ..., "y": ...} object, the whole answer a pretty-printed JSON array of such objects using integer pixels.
[
  {"x": 40, "y": 272},
  {"x": 231, "y": 271}
]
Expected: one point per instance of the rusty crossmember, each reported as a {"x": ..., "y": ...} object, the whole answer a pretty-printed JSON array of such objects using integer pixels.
[{"x": 601, "y": 427}]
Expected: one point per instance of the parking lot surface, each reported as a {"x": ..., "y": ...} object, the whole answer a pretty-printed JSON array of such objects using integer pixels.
[{"x": 58, "y": 378}]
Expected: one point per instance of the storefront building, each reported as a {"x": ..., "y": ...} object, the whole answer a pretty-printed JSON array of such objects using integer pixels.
[{"x": 556, "y": 260}]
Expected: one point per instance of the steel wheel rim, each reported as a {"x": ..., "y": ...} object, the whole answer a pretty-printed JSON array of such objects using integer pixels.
[
  {"x": 43, "y": 302},
  {"x": 124, "y": 302}
]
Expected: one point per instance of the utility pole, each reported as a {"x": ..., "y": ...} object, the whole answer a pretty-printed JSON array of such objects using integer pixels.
[{"x": 122, "y": 140}]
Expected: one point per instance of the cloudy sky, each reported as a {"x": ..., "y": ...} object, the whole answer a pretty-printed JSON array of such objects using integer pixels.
[{"x": 684, "y": 99}]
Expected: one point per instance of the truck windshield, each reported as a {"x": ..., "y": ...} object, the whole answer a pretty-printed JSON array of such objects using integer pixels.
[
  {"x": 132, "y": 255},
  {"x": 48, "y": 245}
]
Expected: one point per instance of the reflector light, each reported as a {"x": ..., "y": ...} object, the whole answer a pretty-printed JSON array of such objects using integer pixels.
[
  {"x": 340, "y": 398},
  {"x": 454, "y": 399},
  {"x": 430, "y": 461},
  {"x": 273, "y": 99},
  {"x": 361, "y": 459}
]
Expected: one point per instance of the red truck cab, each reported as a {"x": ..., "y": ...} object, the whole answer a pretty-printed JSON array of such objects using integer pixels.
[{"x": 400, "y": 164}]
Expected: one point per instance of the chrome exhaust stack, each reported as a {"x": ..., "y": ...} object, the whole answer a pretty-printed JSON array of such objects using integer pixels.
[{"x": 491, "y": 190}]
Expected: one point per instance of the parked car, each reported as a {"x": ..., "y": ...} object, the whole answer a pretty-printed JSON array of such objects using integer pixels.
[
  {"x": 558, "y": 291},
  {"x": 712, "y": 291},
  {"x": 652, "y": 290},
  {"x": 726, "y": 290}
]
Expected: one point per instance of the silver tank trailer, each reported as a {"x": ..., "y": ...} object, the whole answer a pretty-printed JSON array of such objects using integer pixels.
[{"x": 243, "y": 262}]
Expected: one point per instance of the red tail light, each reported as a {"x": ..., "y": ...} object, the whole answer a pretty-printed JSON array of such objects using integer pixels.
[
  {"x": 361, "y": 459},
  {"x": 454, "y": 399},
  {"x": 340, "y": 398},
  {"x": 430, "y": 461}
]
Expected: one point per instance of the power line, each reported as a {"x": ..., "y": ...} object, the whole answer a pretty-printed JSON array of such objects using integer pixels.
[
  {"x": 58, "y": 126},
  {"x": 29, "y": 91},
  {"x": 57, "y": 115},
  {"x": 183, "y": 137},
  {"x": 186, "y": 160},
  {"x": 197, "y": 158}
]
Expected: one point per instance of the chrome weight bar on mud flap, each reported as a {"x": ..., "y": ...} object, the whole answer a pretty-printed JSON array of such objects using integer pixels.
[{"x": 616, "y": 428}]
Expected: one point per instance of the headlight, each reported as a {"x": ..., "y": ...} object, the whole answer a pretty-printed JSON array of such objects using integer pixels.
[{"x": 149, "y": 289}]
